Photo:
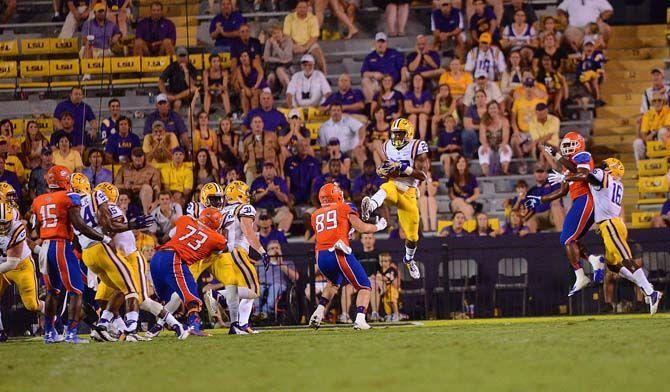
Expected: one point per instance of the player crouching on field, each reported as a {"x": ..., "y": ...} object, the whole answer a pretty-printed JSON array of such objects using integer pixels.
[
  {"x": 405, "y": 166},
  {"x": 335, "y": 259}
]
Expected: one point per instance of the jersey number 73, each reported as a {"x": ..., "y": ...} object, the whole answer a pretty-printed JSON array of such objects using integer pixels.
[{"x": 196, "y": 242}]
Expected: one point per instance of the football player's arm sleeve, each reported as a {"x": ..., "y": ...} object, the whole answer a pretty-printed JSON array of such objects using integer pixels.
[{"x": 359, "y": 225}]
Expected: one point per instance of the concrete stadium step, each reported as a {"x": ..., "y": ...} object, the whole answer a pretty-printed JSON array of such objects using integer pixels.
[
  {"x": 604, "y": 123},
  {"x": 616, "y": 76},
  {"x": 169, "y": 10},
  {"x": 622, "y": 99},
  {"x": 618, "y": 130},
  {"x": 641, "y": 30},
  {"x": 618, "y": 111},
  {"x": 612, "y": 139},
  {"x": 634, "y": 65},
  {"x": 637, "y": 53},
  {"x": 627, "y": 86},
  {"x": 630, "y": 42}
]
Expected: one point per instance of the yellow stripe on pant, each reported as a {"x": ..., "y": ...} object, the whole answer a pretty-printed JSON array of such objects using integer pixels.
[{"x": 615, "y": 237}]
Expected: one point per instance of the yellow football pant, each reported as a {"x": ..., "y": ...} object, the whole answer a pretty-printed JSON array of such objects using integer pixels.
[
  {"x": 408, "y": 208},
  {"x": 230, "y": 268},
  {"x": 115, "y": 271},
  {"x": 23, "y": 276},
  {"x": 615, "y": 236}
]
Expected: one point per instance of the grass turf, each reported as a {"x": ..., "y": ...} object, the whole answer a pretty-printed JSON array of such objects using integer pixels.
[{"x": 562, "y": 354}]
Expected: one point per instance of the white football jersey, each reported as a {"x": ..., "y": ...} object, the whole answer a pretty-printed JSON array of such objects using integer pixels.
[
  {"x": 193, "y": 209},
  {"x": 231, "y": 215},
  {"x": 16, "y": 235},
  {"x": 607, "y": 197},
  {"x": 124, "y": 242},
  {"x": 406, "y": 154},
  {"x": 88, "y": 214}
]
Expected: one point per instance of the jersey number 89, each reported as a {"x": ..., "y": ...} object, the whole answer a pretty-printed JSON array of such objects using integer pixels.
[{"x": 326, "y": 221}]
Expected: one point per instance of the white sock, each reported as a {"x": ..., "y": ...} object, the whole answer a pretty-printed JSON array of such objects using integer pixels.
[
  {"x": 2, "y": 328},
  {"x": 173, "y": 304},
  {"x": 107, "y": 316},
  {"x": 625, "y": 273},
  {"x": 378, "y": 198},
  {"x": 169, "y": 319},
  {"x": 131, "y": 321},
  {"x": 409, "y": 253},
  {"x": 233, "y": 302},
  {"x": 641, "y": 280},
  {"x": 579, "y": 273},
  {"x": 119, "y": 324},
  {"x": 246, "y": 293},
  {"x": 360, "y": 317},
  {"x": 595, "y": 262},
  {"x": 245, "y": 310}
]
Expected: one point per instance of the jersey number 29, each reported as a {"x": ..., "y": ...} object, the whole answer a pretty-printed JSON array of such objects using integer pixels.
[
  {"x": 194, "y": 243},
  {"x": 326, "y": 221}
]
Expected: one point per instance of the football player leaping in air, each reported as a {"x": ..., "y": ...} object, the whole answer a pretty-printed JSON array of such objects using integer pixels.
[
  {"x": 406, "y": 161},
  {"x": 607, "y": 190},
  {"x": 331, "y": 223}
]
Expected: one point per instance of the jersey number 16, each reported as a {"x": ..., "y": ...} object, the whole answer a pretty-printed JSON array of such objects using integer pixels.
[
  {"x": 326, "y": 221},
  {"x": 617, "y": 194}
]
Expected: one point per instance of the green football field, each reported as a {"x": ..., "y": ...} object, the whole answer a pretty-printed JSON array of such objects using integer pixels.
[{"x": 613, "y": 353}]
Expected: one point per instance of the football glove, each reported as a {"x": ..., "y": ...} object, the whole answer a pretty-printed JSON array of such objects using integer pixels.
[
  {"x": 141, "y": 222},
  {"x": 555, "y": 177},
  {"x": 549, "y": 149},
  {"x": 381, "y": 224},
  {"x": 531, "y": 202},
  {"x": 265, "y": 257},
  {"x": 387, "y": 168}
]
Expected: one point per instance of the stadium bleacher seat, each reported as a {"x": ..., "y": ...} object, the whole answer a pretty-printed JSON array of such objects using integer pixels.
[
  {"x": 316, "y": 115},
  {"x": 35, "y": 46},
  {"x": 656, "y": 149},
  {"x": 124, "y": 66},
  {"x": 469, "y": 225},
  {"x": 642, "y": 219},
  {"x": 64, "y": 68},
  {"x": 9, "y": 73},
  {"x": 63, "y": 46},
  {"x": 98, "y": 70},
  {"x": 35, "y": 70},
  {"x": 9, "y": 48},
  {"x": 656, "y": 184},
  {"x": 652, "y": 167},
  {"x": 152, "y": 68}
]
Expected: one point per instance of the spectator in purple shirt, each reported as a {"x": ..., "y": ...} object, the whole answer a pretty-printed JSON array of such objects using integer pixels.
[
  {"x": 367, "y": 183},
  {"x": 120, "y": 144},
  {"x": 483, "y": 21},
  {"x": 81, "y": 113},
  {"x": 515, "y": 225},
  {"x": 225, "y": 27},
  {"x": 545, "y": 215},
  {"x": 456, "y": 229},
  {"x": 447, "y": 25},
  {"x": 301, "y": 170},
  {"x": 246, "y": 43},
  {"x": 662, "y": 220},
  {"x": 171, "y": 119},
  {"x": 273, "y": 119},
  {"x": 271, "y": 197},
  {"x": 418, "y": 105},
  {"x": 267, "y": 232},
  {"x": 389, "y": 99},
  {"x": 98, "y": 35},
  {"x": 334, "y": 175},
  {"x": 382, "y": 60},
  {"x": 463, "y": 190},
  {"x": 423, "y": 61},
  {"x": 351, "y": 99},
  {"x": 155, "y": 35}
]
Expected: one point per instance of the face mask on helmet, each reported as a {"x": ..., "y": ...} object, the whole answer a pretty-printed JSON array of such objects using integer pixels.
[
  {"x": 398, "y": 138},
  {"x": 215, "y": 201}
]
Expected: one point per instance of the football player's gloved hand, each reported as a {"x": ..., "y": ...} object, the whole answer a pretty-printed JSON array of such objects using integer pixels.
[
  {"x": 531, "y": 202},
  {"x": 381, "y": 224},
  {"x": 265, "y": 257},
  {"x": 552, "y": 151},
  {"x": 555, "y": 177},
  {"x": 387, "y": 168},
  {"x": 405, "y": 168},
  {"x": 141, "y": 222}
]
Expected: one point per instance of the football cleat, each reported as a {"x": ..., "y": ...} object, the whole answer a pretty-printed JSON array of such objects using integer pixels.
[
  {"x": 72, "y": 338},
  {"x": 344, "y": 319},
  {"x": 51, "y": 337},
  {"x": 3, "y": 337},
  {"x": 181, "y": 332},
  {"x": 212, "y": 305},
  {"x": 598, "y": 264},
  {"x": 413, "y": 268},
  {"x": 195, "y": 326},
  {"x": 317, "y": 317},
  {"x": 235, "y": 329},
  {"x": 654, "y": 300},
  {"x": 248, "y": 329},
  {"x": 154, "y": 331},
  {"x": 102, "y": 335},
  {"x": 580, "y": 283},
  {"x": 366, "y": 208},
  {"x": 361, "y": 325}
]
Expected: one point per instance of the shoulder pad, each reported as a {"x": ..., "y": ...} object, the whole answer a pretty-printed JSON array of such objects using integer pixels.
[
  {"x": 16, "y": 234},
  {"x": 582, "y": 157},
  {"x": 100, "y": 197},
  {"x": 245, "y": 210}
]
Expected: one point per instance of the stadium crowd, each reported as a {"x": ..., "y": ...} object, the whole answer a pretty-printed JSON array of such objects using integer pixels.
[{"x": 490, "y": 82}]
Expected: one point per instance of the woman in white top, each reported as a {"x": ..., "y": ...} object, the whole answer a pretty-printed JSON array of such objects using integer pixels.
[
  {"x": 494, "y": 137},
  {"x": 512, "y": 77},
  {"x": 520, "y": 36},
  {"x": 278, "y": 58},
  {"x": 166, "y": 214}
]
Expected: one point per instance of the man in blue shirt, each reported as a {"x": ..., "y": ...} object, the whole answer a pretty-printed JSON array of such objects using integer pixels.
[
  {"x": 273, "y": 119},
  {"x": 171, "y": 119},
  {"x": 382, "y": 60},
  {"x": 423, "y": 60},
  {"x": 121, "y": 143},
  {"x": 108, "y": 125},
  {"x": 301, "y": 170},
  {"x": 267, "y": 232},
  {"x": 81, "y": 113},
  {"x": 95, "y": 172},
  {"x": 351, "y": 99},
  {"x": 367, "y": 183},
  {"x": 225, "y": 27},
  {"x": 547, "y": 215},
  {"x": 98, "y": 34},
  {"x": 271, "y": 197},
  {"x": 334, "y": 175},
  {"x": 155, "y": 35},
  {"x": 66, "y": 127},
  {"x": 447, "y": 26},
  {"x": 275, "y": 279},
  {"x": 246, "y": 43},
  {"x": 483, "y": 21}
]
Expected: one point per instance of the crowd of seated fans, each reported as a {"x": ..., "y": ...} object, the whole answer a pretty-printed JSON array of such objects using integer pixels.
[{"x": 488, "y": 84}]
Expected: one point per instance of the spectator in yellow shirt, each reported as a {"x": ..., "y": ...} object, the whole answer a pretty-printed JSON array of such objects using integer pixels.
[
  {"x": 303, "y": 28},
  {"x": 654, "y": 126},
  {"x": 457, "y": 79},
  {"x": 177, "y": 177},
  {"x": 543, "y": 129},
  {"x": 66, "y": 156},
  {"x": 158, "y": 145},
  {"x": 523, "y": 112},
  {"x": 12, "y": 162}
]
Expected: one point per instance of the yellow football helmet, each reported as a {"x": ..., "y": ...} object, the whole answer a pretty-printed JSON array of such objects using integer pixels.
[
  {"x": 80, "y": 184},
  {"x": 111, "y": 191},
  {"x": 211, "y": 195},
  {"x": 6, "y": 217},
  {"x": 8, "y": 194},
  {"x": 615, "y": 167},
  {"x": 237, "y": 192},
  {"x": 402, "y": 132}
]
